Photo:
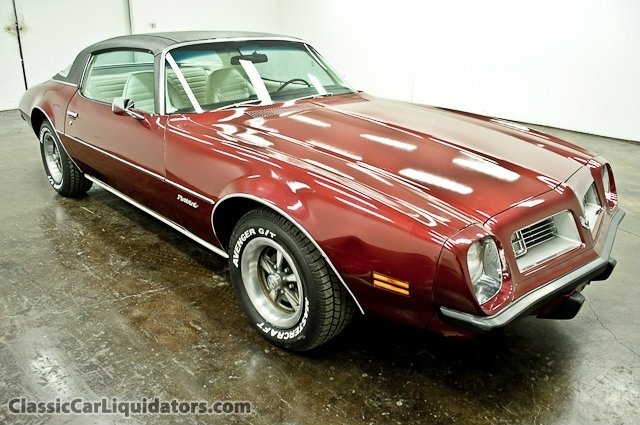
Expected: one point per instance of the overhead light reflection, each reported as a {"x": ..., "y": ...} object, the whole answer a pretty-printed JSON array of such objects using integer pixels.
[
  {"x": 236, "y": 113},
  {"x": 361, "y": 208},
  {"x": 308, "y": 120},
  {"x": 295, "y": 206},
  {"x": 335, "y": 150},
  {"x": 390, "y": 142},
  {"x": 433, "y": 180},
  {"x": 254, "y": 139},
  {"x": 511, "y": 124},
  {"x": 485, "y": 167},
  {"x": 226, "y": 128},
  {"x": 530, "y": 203},
  {"x": 296, "y": 186},
  {"x": 370, "y": 173},
  {"x": 259, "y": 123},
  {"x": 328, "y": 168}
]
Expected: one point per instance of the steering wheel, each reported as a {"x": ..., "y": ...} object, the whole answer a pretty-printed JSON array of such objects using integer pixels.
[{"x": 294, "y": 80}]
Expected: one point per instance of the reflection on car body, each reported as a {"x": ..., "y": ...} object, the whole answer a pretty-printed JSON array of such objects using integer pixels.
[{"x": 328, "y": 201}]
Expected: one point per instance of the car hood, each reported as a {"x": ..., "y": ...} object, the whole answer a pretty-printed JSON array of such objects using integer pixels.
[{"x": 477, "y": 165}]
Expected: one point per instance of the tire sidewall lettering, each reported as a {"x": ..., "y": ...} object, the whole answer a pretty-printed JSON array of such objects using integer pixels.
[
  {"x": 43, "y": 132},
  {"x": 244, "y": 237},
  {"x": 284, "y": 335},
  {"x": 298, "y": 331}
]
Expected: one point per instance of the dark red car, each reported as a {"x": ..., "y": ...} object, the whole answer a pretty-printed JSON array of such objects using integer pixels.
[{"x": 328, "y": 201}]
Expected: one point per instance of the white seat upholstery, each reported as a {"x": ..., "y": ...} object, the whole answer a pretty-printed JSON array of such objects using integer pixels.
[
  {"x": 196, "y": 78},
  {"x": 139, "y": 88},
  {"x": 105, "y": 87},
  {"x": 227, "y": 84}
]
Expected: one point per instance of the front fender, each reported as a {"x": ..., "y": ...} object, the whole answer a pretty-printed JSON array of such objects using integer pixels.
[{"x": 357, "y": 235}]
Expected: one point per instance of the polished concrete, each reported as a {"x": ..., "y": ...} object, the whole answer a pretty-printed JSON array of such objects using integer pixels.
[{"x": 100, "y": 300}]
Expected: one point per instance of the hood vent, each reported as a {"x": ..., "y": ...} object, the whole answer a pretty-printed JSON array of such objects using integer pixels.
[{"x": 280, "y": 110}]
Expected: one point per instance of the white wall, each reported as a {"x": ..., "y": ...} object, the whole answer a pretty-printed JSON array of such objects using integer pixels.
[
  {"x": 572, "y": 64},
  {"x": 11, "y": 80},
  {"x": 241, "y": 15},
  {"x": 50, "y": 40}
]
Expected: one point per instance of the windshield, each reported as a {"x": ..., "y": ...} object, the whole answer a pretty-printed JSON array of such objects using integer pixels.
[{"x": 205, "y": 77}]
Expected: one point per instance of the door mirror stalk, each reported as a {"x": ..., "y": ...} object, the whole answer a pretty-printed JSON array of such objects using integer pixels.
[{"x": 122, "y": 106}]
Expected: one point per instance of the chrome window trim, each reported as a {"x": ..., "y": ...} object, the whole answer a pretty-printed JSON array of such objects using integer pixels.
[
  {"x": 84, "y": 73},
  {"x": 66, "y": 83},
  {"x": 163, "y": 54},
  {"x": 162, "y": 218},
  {"x": 86, "y": 69},
  {"x": 522, "y": 304},
  {"x": 295, "y": 223}
]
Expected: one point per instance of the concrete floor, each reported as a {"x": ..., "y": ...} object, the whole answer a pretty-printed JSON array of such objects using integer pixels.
[{"x": 100, "y": 300}]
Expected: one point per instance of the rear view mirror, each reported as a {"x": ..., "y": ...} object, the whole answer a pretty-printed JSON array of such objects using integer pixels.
[
  {"x": 254, "y": 57},
  {"x": 123, "y": 106}
]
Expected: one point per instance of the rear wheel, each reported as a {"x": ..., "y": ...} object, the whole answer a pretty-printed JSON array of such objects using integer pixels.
[
  {"x": 62, "y": 173},
  {"x": 284, "y": 284}
]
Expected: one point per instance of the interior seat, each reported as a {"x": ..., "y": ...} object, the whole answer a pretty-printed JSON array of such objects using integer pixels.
[
  {"x": 196, "y": 79},
  {"x": 105, "y": 87},
  {"x": 227, "y": 84},
  {"x": 139, "y": 88}
]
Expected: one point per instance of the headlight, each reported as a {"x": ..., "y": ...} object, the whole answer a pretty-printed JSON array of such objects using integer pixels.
[
  {"x": 485, "y": 269},
  {"x": 609, "y": 186}
]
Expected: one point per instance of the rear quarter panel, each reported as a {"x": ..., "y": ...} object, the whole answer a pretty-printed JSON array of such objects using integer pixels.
[{"x": 51, "y": 98}]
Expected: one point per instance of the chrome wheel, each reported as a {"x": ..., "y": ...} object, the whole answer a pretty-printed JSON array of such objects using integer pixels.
[
  {"x": 272, "y": 282},
  {"x": 52, "y": 157}
]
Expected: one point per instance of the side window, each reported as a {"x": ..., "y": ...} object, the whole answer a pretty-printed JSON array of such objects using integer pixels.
[{"x": 121, "y": 73}]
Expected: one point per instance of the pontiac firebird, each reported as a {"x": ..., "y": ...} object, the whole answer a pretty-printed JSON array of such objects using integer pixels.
[{"x": 329, "y": 202}]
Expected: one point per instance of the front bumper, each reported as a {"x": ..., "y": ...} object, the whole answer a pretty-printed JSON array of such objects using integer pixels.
[{"x": 598, "y": 269}]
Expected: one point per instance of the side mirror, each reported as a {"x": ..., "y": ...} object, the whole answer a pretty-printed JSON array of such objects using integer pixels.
[{"x": 122, "y": 106}]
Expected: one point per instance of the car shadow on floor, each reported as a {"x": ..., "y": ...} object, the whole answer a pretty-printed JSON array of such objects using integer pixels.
[{"x": 372, "y": 364}]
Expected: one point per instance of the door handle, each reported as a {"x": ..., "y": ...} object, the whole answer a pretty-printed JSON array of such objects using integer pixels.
[{"x": 72, "y": 114}]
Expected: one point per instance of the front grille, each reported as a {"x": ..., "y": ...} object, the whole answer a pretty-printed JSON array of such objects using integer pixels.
[
  {"x": 544, "y": 240},
  {"x": 533, "y": 235}
]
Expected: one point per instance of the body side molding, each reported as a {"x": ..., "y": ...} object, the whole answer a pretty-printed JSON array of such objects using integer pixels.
[{"x": 158, "y": 216}]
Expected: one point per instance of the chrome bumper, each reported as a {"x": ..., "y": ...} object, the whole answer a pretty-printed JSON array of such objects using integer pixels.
[{"x": 598, "y": 269}]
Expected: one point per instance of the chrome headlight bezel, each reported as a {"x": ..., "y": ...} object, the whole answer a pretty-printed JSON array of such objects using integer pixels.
[
  {"x": 609, "y": 186},
  {"x": 485, "y": 269}
]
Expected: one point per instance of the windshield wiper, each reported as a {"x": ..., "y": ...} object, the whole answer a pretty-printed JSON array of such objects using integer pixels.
[
  {"x": 237, "y": 104},
  {"x": 312, "y": 96},
  {"x": 250, "y": 101}
]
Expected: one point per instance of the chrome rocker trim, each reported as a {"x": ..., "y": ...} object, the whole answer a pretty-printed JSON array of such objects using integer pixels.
[
  {"x": 158, "y": 216},
  {"x": 536, "y": 298}
]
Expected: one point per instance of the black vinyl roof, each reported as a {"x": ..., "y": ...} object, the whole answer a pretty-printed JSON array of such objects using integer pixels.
[
  {"x": 156, "y": 42},
  {"x": 152, "y": 42}
]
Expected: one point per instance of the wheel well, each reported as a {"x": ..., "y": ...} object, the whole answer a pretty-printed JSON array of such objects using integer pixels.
[
  {"x": 227, "y": 215},
  {"x": 37, "y": 118}
]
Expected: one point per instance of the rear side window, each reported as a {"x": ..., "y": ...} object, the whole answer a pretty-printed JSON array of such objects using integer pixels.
[{"x": 121, "y": 73}]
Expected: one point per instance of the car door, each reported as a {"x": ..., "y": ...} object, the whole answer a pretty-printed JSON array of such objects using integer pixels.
[{"x": 125, "y": 151}]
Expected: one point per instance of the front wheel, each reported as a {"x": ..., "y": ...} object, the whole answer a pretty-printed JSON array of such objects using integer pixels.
[
  {"x": 62, "y": 173},
  {"x": 284, "y": 284}
]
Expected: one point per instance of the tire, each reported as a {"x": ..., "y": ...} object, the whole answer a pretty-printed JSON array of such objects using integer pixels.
[
  {"x": 62, "y": 173},
  {"x": 273, "y": 266}
]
